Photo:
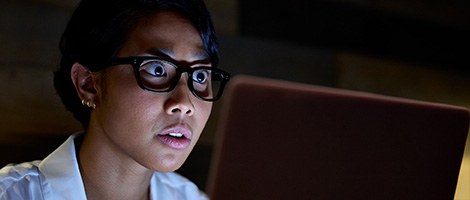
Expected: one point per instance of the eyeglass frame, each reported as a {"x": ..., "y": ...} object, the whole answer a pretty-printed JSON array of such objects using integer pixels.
[{"x": 136, "y": 62}]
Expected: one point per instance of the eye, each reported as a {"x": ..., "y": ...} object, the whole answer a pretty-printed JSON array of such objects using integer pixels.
[
  {"x": 154, "y": 68},
  {"x": 200, "y": 76}
]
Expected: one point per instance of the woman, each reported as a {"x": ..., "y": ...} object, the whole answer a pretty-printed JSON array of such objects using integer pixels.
[{"x": 140, "y": 75}]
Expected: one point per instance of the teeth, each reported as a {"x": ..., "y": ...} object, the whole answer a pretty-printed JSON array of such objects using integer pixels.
[{"x": 176, "y": 135}]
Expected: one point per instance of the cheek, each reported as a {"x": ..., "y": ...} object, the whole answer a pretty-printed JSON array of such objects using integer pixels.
[{"x": 125, "y": 106}]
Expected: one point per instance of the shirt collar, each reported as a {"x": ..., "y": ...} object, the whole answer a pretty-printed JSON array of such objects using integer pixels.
[{"x": 61, "y": 173}]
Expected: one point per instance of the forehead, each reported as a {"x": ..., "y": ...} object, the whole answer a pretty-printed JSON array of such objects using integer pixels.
[{"x": 165, "y": 33}]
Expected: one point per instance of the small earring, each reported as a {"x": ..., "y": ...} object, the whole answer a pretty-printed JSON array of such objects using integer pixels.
[{"x": 88, "y": 104}]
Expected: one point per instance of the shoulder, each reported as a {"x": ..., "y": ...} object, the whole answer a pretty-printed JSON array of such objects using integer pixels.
[
  {"x": 20, "y": 180},
  {"x": 175, "y": 186}
]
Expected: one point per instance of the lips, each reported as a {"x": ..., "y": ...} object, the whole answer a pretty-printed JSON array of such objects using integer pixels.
[{"x": 176, "y": 136}]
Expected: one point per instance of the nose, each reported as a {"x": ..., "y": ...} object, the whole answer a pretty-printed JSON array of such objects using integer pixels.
[{"x": 179, "y": 101}]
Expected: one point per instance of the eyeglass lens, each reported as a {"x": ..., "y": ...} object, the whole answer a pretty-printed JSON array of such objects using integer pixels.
[{"x": 159, "y": 76}]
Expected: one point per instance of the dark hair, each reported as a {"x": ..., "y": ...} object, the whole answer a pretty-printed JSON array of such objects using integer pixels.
[{"x": 98, "y": 29}]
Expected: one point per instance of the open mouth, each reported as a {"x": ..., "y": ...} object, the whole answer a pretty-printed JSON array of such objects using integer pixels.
[{"x": 176, "y": 135}]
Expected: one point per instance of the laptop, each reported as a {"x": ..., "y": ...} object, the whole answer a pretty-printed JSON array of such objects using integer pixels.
[{"x": 284, "y": 140}]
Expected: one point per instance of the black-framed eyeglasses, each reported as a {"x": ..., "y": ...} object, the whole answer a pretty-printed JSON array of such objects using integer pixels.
[{"x": 156, "y": 75}]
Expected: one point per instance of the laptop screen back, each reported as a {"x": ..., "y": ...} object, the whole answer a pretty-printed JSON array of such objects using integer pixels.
[{"x": 284, "y": 140}]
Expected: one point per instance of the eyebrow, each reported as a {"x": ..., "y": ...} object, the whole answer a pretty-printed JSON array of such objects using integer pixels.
[
  {"x": 161, "y": 52},
  {"x": 168, "y": 53}
]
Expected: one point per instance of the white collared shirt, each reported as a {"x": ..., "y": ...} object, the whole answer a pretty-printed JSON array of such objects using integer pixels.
[{"x": 58, "y": 177}]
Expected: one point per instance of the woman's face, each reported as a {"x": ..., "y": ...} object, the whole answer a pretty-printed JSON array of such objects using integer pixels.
[{"x": 138, "y": 123}]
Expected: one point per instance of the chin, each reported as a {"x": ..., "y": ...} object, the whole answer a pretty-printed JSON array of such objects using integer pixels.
[{"x": 168, "y": 165}]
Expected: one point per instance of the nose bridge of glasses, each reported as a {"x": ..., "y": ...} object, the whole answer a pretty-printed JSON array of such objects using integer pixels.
[{"x": 181, "y": 71}]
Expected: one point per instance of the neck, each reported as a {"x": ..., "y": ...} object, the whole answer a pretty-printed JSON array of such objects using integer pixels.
[{"x": 107, "y": 174}]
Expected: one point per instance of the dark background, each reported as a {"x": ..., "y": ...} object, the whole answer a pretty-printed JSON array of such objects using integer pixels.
[{"x": 414, "y": 49}]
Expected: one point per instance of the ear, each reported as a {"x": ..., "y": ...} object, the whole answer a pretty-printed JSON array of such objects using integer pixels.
[{"x": 85, "y": 83}]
